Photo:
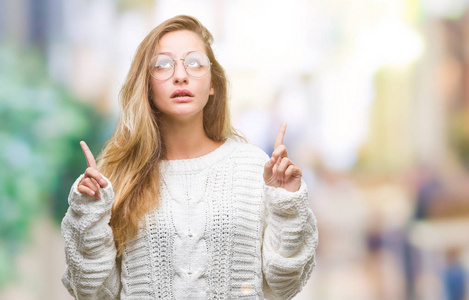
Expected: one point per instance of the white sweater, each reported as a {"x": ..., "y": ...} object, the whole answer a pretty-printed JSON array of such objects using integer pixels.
[{"x": 218, "y": 233}]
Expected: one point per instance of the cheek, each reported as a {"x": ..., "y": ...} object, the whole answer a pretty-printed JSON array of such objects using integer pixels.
[
  {"x": 155, "y": 96},
  {"x": 155, "y": 86},
  {"x": 157, "y": 89}
]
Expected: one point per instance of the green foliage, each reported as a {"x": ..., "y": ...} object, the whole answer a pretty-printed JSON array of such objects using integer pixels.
[{"x": 41, "y": 124}]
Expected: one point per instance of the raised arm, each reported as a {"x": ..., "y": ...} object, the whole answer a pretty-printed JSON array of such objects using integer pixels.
[
  {"x": 290, "y": 229},
  {"x": 92, "y": 271}
]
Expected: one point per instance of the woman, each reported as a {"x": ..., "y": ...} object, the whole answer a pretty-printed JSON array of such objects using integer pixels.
[{"x": 191, "y": 212}]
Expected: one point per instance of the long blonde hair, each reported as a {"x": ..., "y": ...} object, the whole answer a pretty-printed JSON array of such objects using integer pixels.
[{"x": 130, "y": 159}]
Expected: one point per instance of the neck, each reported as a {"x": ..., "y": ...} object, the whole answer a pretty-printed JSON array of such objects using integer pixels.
[{"x": 185, "y": 140}]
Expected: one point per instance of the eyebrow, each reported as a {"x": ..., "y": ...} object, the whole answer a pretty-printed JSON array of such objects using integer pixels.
[
  {"x": 167, "y": 53},
  {"x": 171, "y": 53}
]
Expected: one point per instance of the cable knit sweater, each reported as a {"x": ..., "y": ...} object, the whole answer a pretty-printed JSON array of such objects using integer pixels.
[{"x": 218, "y": 233}]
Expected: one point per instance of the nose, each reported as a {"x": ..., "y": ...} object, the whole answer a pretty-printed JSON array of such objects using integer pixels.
[{"x": 180, "y": 73}]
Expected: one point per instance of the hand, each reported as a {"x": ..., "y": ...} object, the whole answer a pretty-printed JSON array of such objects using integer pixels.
[
  {"x": 280, "y": 171},
  {"x": 93, "y": 180}
]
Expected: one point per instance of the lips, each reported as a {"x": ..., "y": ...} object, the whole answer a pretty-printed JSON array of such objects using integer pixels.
[{"x": 181, "y": 94}]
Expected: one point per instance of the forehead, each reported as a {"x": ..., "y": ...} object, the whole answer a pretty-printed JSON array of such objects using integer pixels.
[{"x": 180, "y": 42}]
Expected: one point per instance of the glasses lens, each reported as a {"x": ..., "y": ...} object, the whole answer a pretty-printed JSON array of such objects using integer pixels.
[
  {"x": 197, "y": 64},
  {"x": 162, "y": 67}
]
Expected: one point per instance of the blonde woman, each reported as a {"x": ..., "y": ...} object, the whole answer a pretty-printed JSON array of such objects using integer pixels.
[{"x": 177, "y": 207}]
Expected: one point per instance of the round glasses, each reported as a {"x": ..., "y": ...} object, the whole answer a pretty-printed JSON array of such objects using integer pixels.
[{"x": 196, "y": 64}]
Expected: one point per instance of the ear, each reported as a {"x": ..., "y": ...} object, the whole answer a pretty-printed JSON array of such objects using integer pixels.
[{"x": 212, "y": 91}]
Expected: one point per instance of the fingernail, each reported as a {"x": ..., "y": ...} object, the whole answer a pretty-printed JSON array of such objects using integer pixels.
[
  {"x": 102, "y": 182},
  {"x": 91, "y": 193}
]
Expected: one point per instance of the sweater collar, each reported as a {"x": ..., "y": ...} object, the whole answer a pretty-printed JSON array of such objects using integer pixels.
[{"x": 199, "y": 163}]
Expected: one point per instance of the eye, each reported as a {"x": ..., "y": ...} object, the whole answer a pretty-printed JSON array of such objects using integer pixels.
[
  {"x": 192, "y": 63},
  {"x": 164, "y": 62},
  {"x": 196, "y": 60}
]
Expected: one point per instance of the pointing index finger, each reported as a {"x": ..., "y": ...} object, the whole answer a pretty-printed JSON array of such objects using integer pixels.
[
  {"x": 280, "y": 135},
  {"x": 89, "y": 156}
]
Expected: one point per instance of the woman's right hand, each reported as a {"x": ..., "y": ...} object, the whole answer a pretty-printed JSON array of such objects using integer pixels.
[{"x": 93, "y": 180}]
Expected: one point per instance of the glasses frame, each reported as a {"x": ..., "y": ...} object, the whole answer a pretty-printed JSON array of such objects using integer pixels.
[{"x": 183, "y": 64}]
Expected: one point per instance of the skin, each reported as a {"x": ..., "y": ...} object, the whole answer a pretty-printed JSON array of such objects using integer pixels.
[
  {"x": 182, "y": 123},
  {"x": 93, "y": 180},
  {"x": 177, "y": 45},
  {"x": 280, "y": 171}
]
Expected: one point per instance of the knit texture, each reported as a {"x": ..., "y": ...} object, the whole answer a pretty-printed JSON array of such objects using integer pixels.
[{"x": 218, "y": 233}]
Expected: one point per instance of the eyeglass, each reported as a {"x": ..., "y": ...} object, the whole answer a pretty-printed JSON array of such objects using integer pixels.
[{"x": 196, "y": 65}]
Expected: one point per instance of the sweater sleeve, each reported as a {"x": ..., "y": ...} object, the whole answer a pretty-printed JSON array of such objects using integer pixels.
[
  {"x": 92, "y": 270},
  {"x": 290, "y": 241}
]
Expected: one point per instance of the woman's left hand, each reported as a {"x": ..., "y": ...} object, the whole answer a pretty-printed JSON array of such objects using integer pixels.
[{"x": 280, "y": 171}]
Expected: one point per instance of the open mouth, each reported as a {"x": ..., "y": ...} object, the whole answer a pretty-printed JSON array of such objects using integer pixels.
[{"x": 181, "y": 94}]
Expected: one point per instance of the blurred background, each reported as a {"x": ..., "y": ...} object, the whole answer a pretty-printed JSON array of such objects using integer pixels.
[{"x": 375, "y": 94}]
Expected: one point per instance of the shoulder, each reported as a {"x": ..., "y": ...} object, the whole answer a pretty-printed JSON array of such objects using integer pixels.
[{"x": 246, "y": 151}]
